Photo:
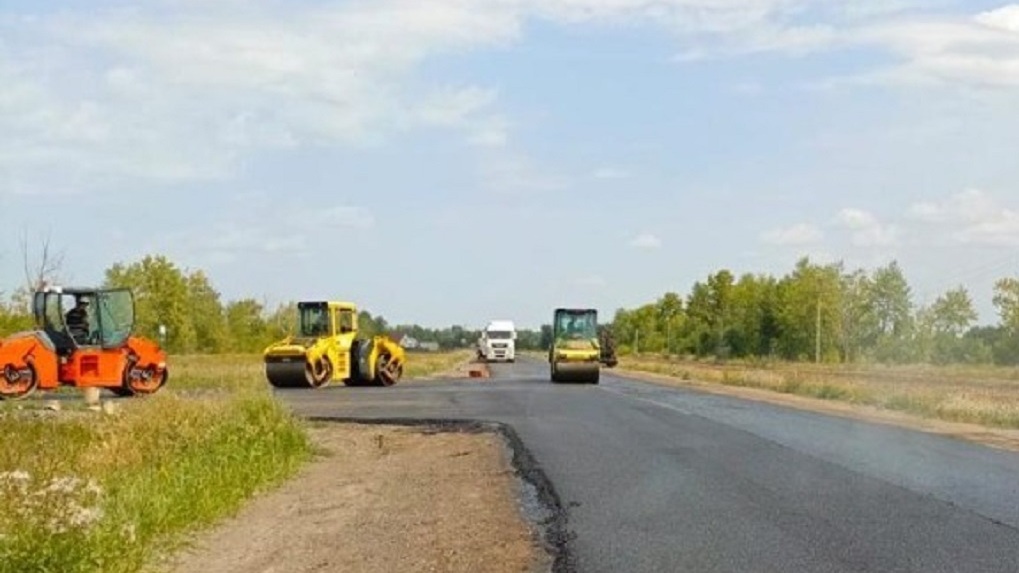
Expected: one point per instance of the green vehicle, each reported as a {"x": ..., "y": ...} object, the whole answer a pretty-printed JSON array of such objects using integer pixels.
[{"x": 575, "y": 354}]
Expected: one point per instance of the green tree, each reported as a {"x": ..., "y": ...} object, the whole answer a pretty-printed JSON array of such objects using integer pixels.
[
  {"x": 161, "y": 298},
  {"x": 1006, "y": 299},
  {"x": 248, "y": 328},
  {"x": 753, "y": 327},
  {"x": 810, "y": 292},
  {"x": 859, "y": 323},
  {"x": 953, "y": 313},
  {"x": 939, "y": 331},
  {"x": 890, "y": 298},
  {"x": 207, "y": 314}
]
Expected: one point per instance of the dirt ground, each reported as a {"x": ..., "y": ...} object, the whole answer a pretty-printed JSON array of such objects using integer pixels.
[
  {"x": 994, "y": 437},
  {"x": 381, "y": 499}
]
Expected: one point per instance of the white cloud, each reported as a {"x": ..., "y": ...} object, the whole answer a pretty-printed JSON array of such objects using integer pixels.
[
  {"x": 967, "y": 205},
  {"x": 610, "y": 173},
  {"x": 868, "y": 231},
  {"x": 515, "y": 173},
  {"x": 980, "y": 50},
  {"x": 856, "y": 219},
  {"x": 646, "y": 241},
  {"x": 796, "y": 235},
  {"x": 296, "y": 232},
  {"x": 972, "y": 217},
  {"x": 184, "y": 91},
  {"x": 1005, "y": 18}
]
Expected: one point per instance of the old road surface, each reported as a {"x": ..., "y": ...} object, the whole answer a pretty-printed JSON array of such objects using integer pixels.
[{"x": 661, "y": 479}]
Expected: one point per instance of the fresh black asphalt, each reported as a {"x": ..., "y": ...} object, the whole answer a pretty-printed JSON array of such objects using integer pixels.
[{"x": 662, "y": 479}]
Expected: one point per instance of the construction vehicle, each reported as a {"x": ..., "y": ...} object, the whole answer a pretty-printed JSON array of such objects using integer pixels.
[
  {"x": 607, "y": 342},
  {"x": 83, "y": 337},
  {"x": 575, "y": 353},
  {"x": 327, "y": 348}
]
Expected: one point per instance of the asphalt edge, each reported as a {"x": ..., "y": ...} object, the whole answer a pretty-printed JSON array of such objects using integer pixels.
[{"x": 555, "y": 532}]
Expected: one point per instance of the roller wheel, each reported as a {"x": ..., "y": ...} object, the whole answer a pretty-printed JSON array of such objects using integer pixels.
[
  {"x": 319, "y": 374},
  {"x": 387, "y": 374},
  {"x": 17, "y": 383},
  {"x": 138, "y": 380}
]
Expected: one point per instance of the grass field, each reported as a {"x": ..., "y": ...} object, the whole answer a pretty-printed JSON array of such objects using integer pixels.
[
  {"x": 90, "y": 491},
  {"x": 983, "y": 395},
  {"x": 244, "y": 371}
]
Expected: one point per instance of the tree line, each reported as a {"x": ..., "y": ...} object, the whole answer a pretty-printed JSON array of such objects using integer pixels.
[
  {"x": 197, "y": 319},
  {"x": 822, "y": 313}
]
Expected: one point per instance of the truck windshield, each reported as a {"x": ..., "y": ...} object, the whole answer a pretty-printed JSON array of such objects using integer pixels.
[{"x": 499, "y": 335}]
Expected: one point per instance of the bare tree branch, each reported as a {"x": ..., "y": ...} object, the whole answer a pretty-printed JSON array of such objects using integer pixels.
[{"x": 45, "y": 269}]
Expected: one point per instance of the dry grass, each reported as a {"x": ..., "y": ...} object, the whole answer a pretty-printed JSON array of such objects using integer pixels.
[
  {"x": 982, "y": 395},
  {"x": 245, "y": 371},
  {"x": 425, "y": 364}
]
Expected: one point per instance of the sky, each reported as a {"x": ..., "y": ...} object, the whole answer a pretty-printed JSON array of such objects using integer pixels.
[{"x": 455, "y": 161}]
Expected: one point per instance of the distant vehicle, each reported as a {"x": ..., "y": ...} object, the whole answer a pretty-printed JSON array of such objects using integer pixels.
[{"x": 498, "y": 342}]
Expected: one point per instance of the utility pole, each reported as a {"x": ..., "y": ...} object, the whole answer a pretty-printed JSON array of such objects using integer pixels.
[
  {"x": 669, "y": 336},
  {"x": 817, "y": 334}
]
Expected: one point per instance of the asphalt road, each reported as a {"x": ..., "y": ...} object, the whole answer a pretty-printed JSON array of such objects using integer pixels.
[{"x": 661, "y": 479}]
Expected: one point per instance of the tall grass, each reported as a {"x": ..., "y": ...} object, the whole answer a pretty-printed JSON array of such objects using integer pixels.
[
  {"x": 83, "y": 491},
  {"x": 982, "y": 395}
]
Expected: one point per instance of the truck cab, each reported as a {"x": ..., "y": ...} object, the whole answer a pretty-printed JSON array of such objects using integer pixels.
[{"x": 498, "y": 342}]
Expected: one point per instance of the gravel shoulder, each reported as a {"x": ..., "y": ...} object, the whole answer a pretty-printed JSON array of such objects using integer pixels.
[{"x": 381, "y": 498}]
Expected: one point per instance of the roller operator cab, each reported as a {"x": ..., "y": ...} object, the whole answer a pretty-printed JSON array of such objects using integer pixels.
[
  {"x": 575, "y": 354},
  {"x": 328, "y": 347},
  {"x": 83, "y": 337},
  {"x": 498, "y": 342}
]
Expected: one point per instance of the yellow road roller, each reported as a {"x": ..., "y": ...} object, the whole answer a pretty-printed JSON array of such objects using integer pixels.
[
  {"x": 575, "y": 353},
  {"x": 327, "y": 348}
]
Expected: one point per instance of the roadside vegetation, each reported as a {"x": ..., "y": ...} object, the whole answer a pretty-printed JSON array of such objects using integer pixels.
[
  {"x": 985, "y": 395},
  {"x": 828, "y": 332},
  {"x": 84, "y": 490}
]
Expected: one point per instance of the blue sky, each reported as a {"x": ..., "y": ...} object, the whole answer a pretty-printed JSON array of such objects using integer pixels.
[{"x": 454, "y": 161}]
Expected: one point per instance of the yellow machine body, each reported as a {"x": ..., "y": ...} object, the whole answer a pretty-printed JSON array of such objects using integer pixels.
[
  {"x": 575, "y": 354},
  {"x": 327, "y": 347}
]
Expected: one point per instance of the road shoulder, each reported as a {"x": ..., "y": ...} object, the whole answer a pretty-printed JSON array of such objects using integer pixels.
[
  {"x": 994, "y": 437},
  {"x": 381, "y": 498}
]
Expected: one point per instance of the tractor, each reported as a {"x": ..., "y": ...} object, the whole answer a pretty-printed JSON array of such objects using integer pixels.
[
  {"x": 327, "y": 347},
  {"x": 575, "y": 354},
  {"x": 84, "y": 338}
]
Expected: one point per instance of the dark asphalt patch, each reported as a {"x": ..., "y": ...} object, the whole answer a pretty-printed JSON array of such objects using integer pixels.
[{"x": 556, "y": 534}]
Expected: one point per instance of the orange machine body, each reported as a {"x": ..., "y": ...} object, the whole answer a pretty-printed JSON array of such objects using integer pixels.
[{"x": 46, "y": 358}]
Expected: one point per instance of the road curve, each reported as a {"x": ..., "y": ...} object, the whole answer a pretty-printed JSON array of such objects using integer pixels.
[{"x": 664, "y": 479}]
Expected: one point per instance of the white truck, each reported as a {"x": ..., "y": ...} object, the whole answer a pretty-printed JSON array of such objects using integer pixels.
[{"x": 498, "y": 342}]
